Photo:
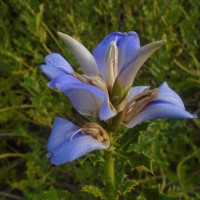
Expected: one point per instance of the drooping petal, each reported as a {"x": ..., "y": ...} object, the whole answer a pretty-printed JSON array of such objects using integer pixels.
[
  {"x": 83, "y": 56},
  {"x": 127, "y": 45},
  {"x": 55, "y": 66},
  {"x": 167, "y": 105},
  {"x": 101, "y": 49},
  {"x": 135, "y": 91},
  {"x": 128, "y": 73},
  {"x": 87, "y": 99},
  {"x": 60, "y": 126},
  {"x": 64, "y": 147}
]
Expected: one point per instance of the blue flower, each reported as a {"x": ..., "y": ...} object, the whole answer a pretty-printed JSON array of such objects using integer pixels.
[
  {"x": 105, "y": 89},
  {"x": 105, "y": 86},
  {"x": 86, "y": 98},
  {"x": 68, "y": 142},
  {"x": 130, "y": 55},
  {"x": 165, "y": 104},
  {"x": 96, "y": 86}
]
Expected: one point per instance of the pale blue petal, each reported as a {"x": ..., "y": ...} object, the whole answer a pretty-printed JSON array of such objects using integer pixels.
[
  {"x": 68, "y": 147},
  {"x": 100, "y": 51},
  {"x": 83, "y": 56},
  {"x": 166, "y": 93},
  {"x": 135, "y": 91},
  {"x": 127, "y": 46},
  {"x": 167, "y": 105},
  {"x": 87, "y": 99},
  {"x": 50, "y": 71},
  {"x": 106, "y": 112},
  {"x": 55, "y": 65},
  {"x": 62, "y": 131},
  {"x": 159, "y": 109},
  {"x": 128, "y": 72}
]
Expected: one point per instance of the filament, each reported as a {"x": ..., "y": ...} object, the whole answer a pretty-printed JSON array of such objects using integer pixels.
[{"x": 75, "y": 134}]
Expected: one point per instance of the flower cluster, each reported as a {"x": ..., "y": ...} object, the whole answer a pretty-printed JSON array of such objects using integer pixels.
[{"x": 105, "y": 90}]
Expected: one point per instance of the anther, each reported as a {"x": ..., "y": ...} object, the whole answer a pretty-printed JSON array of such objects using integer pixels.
[{"x": 137, "y": 103}]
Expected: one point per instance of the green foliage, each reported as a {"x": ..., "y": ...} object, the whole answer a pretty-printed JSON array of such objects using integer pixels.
[
  {"x": 93, "y": 190},
  {"x": 28, "y": 107},
  {"x": 154, "y": 193},
  {"x": 53, "y": 194}
]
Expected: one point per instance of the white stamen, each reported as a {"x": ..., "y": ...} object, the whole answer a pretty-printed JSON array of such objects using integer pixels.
[
  {"x": 75, "y": 134},
  {"x": 111, "y": 64}
]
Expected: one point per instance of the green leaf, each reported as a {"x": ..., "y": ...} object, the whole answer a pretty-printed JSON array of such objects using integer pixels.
[
  {"x": 136, "y": 159},
  {"x": 154, "y": 193},
  {"x": 96, "y": 157},
  {"x": 54, "y": 194},
  {"x": 166, "y": 197},
  {"x": 127, "y": 186},
  {"x": 132, "y": 136},
  {"x": 97, "y": 192},
  {"x": 151, "y": 193}
]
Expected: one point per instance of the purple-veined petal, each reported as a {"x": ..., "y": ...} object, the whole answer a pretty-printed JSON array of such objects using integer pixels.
[
  {"x": 63, "y": 146},
  {"x": 87, "y": 99},
  {"x": 127, "y": 46},
  {"x": 83, "y": 56},
  {"x": 101, "y": 49},
  {"x": 128, "y": 73},
  {"x": 55, "y": 66},
  {"x": 135, "y": 91},
  {"x": 167, "y": 105}
]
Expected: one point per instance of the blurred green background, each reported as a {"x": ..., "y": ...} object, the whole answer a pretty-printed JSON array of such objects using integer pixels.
[{"x": 28, "y": 107}]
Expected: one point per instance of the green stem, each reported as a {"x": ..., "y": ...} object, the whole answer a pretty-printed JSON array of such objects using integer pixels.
[
  {"x": 110, "y": 176},
  {"x": 109, "y": 169}
]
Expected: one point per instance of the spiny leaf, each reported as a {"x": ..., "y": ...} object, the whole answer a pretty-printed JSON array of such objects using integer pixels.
[
  {"x": 132, "y": 135},
  {"x": 54, "y": 194},
  {"x": 93, "y": 190},
  {"x": 127, "y": 186},
  {"x": 154, "y": 193},
  {"x": 136, "y": 159}
]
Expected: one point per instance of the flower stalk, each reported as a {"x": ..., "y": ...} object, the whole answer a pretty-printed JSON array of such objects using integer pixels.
[
  {"x": 110, "y": 176},
  {"x": 109, "y": 169}
]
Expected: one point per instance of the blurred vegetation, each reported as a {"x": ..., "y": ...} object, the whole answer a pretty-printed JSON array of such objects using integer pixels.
[{"x": 28, "y": 107}]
